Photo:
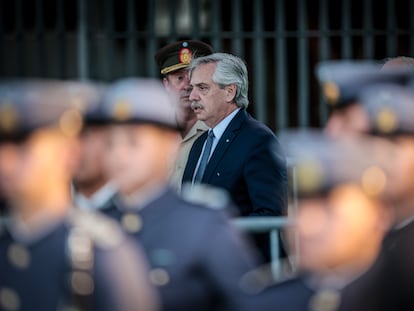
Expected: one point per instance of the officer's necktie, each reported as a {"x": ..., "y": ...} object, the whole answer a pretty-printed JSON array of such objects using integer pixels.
[{"x": 204, "y": 157}]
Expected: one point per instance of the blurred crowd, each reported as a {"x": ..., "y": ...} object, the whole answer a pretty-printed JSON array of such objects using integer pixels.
[{"x": 122, "y": 195}]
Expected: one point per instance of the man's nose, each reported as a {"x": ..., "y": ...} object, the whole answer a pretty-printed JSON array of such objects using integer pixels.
[{"x": 193, "y": 95}]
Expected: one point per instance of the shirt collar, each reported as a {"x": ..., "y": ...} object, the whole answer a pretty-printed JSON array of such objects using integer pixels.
[{"x": 221, "y": 127}]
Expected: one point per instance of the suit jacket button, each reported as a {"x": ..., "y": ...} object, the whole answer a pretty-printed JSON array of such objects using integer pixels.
[{"x": 218, "y": 174}]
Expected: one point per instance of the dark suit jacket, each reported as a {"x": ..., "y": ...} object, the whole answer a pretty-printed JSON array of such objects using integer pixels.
[
  {"x": 202, "y": 254},
  {"x": 249, "y": 163}
]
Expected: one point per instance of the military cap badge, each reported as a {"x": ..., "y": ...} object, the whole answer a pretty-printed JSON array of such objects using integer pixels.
[{"x": 185, "y": 56}]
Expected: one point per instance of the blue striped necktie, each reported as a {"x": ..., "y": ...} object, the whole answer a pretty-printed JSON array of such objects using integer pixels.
[{"x": 204, "y": 157}]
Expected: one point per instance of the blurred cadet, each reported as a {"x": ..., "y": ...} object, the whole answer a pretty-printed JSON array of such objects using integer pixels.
[
  {"x": 388, "y": 284},
  {"x": 339, "y": 223},
  {"x": 92, "y": 187},
  {"x": 53, "y": 256},
  {"x": 174, "y": 60},
  {"x": 341, "y": 81},
  {"x": 197, "y": 257},
  {"x": 403, "y": 62},
  {"x": 238, "y": 153}
]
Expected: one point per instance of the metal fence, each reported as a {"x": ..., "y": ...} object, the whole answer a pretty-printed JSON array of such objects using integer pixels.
[{"x": 280, "y": 40}]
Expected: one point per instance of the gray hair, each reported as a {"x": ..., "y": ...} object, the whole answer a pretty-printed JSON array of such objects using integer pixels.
[{"x": 229, "y": 70}]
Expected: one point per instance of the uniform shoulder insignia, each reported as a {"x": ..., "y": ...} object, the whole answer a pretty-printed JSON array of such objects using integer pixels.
[
  {"x": 325, "y": 300},
  {"x": 206, "y": 195},
  {"x": 262, "y": 277},
  {"x": 102, "y": 230}
]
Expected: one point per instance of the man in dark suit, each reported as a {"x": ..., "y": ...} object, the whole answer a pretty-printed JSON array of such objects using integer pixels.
[
  {"x": 197, "y": 257},
  {"x": 245, "y": 157}
]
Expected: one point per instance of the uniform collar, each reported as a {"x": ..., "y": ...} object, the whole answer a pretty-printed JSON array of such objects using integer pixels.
[
  {"x": 98, "y": 199},
  {"x": 199, "y": 126}
]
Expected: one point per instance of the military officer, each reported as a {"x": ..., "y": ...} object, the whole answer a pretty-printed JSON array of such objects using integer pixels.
[
  {"x": 52, "y": 256},
  {"x": 196, "y": 256},
  {"x": 341, "y": 81},
  {"x": 93, "y": 188},
  {"x": 388, "y": 284},
  {"x": 339, "y": 205},
  {"x": 173, "y": 60}
]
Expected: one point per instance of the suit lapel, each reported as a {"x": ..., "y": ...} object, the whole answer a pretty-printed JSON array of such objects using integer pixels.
[{"x": 225, "y": 141}]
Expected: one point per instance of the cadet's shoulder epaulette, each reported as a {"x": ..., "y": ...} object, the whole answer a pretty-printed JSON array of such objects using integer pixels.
[
  {"x": 205, "y": 195},
  {"x": 264, "y": 277},
  {"x": 103, "y": 231},
  {"x": 325, "y": 299}
]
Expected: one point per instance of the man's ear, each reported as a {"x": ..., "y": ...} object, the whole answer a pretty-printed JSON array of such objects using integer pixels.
[
  {"x": 230, "y": 92},
  {"x": 165, "y": 81}
]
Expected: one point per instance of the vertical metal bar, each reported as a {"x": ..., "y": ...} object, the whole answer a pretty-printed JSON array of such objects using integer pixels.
[
  {"x": 237, "y": 33},
  {"x": 41, "y": 63},
  {"x": 61, "y": 39},
  {"x": 259, "y": 69},
  {"x": 368, "y": 30},
  {"x": 2, "y": 45},
  {"x": 216, "y": 24},
  {"x": 346, "y": 27},
  {"x": 109, "y": 55},
  {"x": 281, "y": 86},
  {"x": 131, "y": 44},
  {"x": 303, "y": 71},
  {"x": 391, "y": 29},
  {"x": 82, "y": 41},
  {"x": 172, "y": 5},
  {"x": 274, "y": 253},
  {"x": 195, "y": 19},
  {"x": 411, "y": 13},
  {"x": 151, "y": 40},
  {"x": 94, "y": 68},
  {"x": 323, "y": 51},
  {"x": 19, "y": 34},
  {"x": 237, "y": 28}
]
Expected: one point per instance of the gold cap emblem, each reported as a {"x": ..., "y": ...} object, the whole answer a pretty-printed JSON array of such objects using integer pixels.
[
  {"x": 331, "y": 92},
  {"x": 185, "y": 56},
  {"x": 121, "y": 110},
  {"x": 309, "y": 176},
  {"x": 386, "y": 120},
  {"x": 8, "y": 117}
]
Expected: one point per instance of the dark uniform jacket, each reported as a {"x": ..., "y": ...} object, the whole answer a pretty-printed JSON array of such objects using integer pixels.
[
  {"x": 71, "y": 266},
  {"x": 197, "y": 257},
  {"x": 290, "y": 295},
  {"x": 389, "y": 283}
]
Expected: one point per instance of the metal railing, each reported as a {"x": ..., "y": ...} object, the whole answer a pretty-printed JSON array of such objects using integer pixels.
[{"x": 273, "y": 226}]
